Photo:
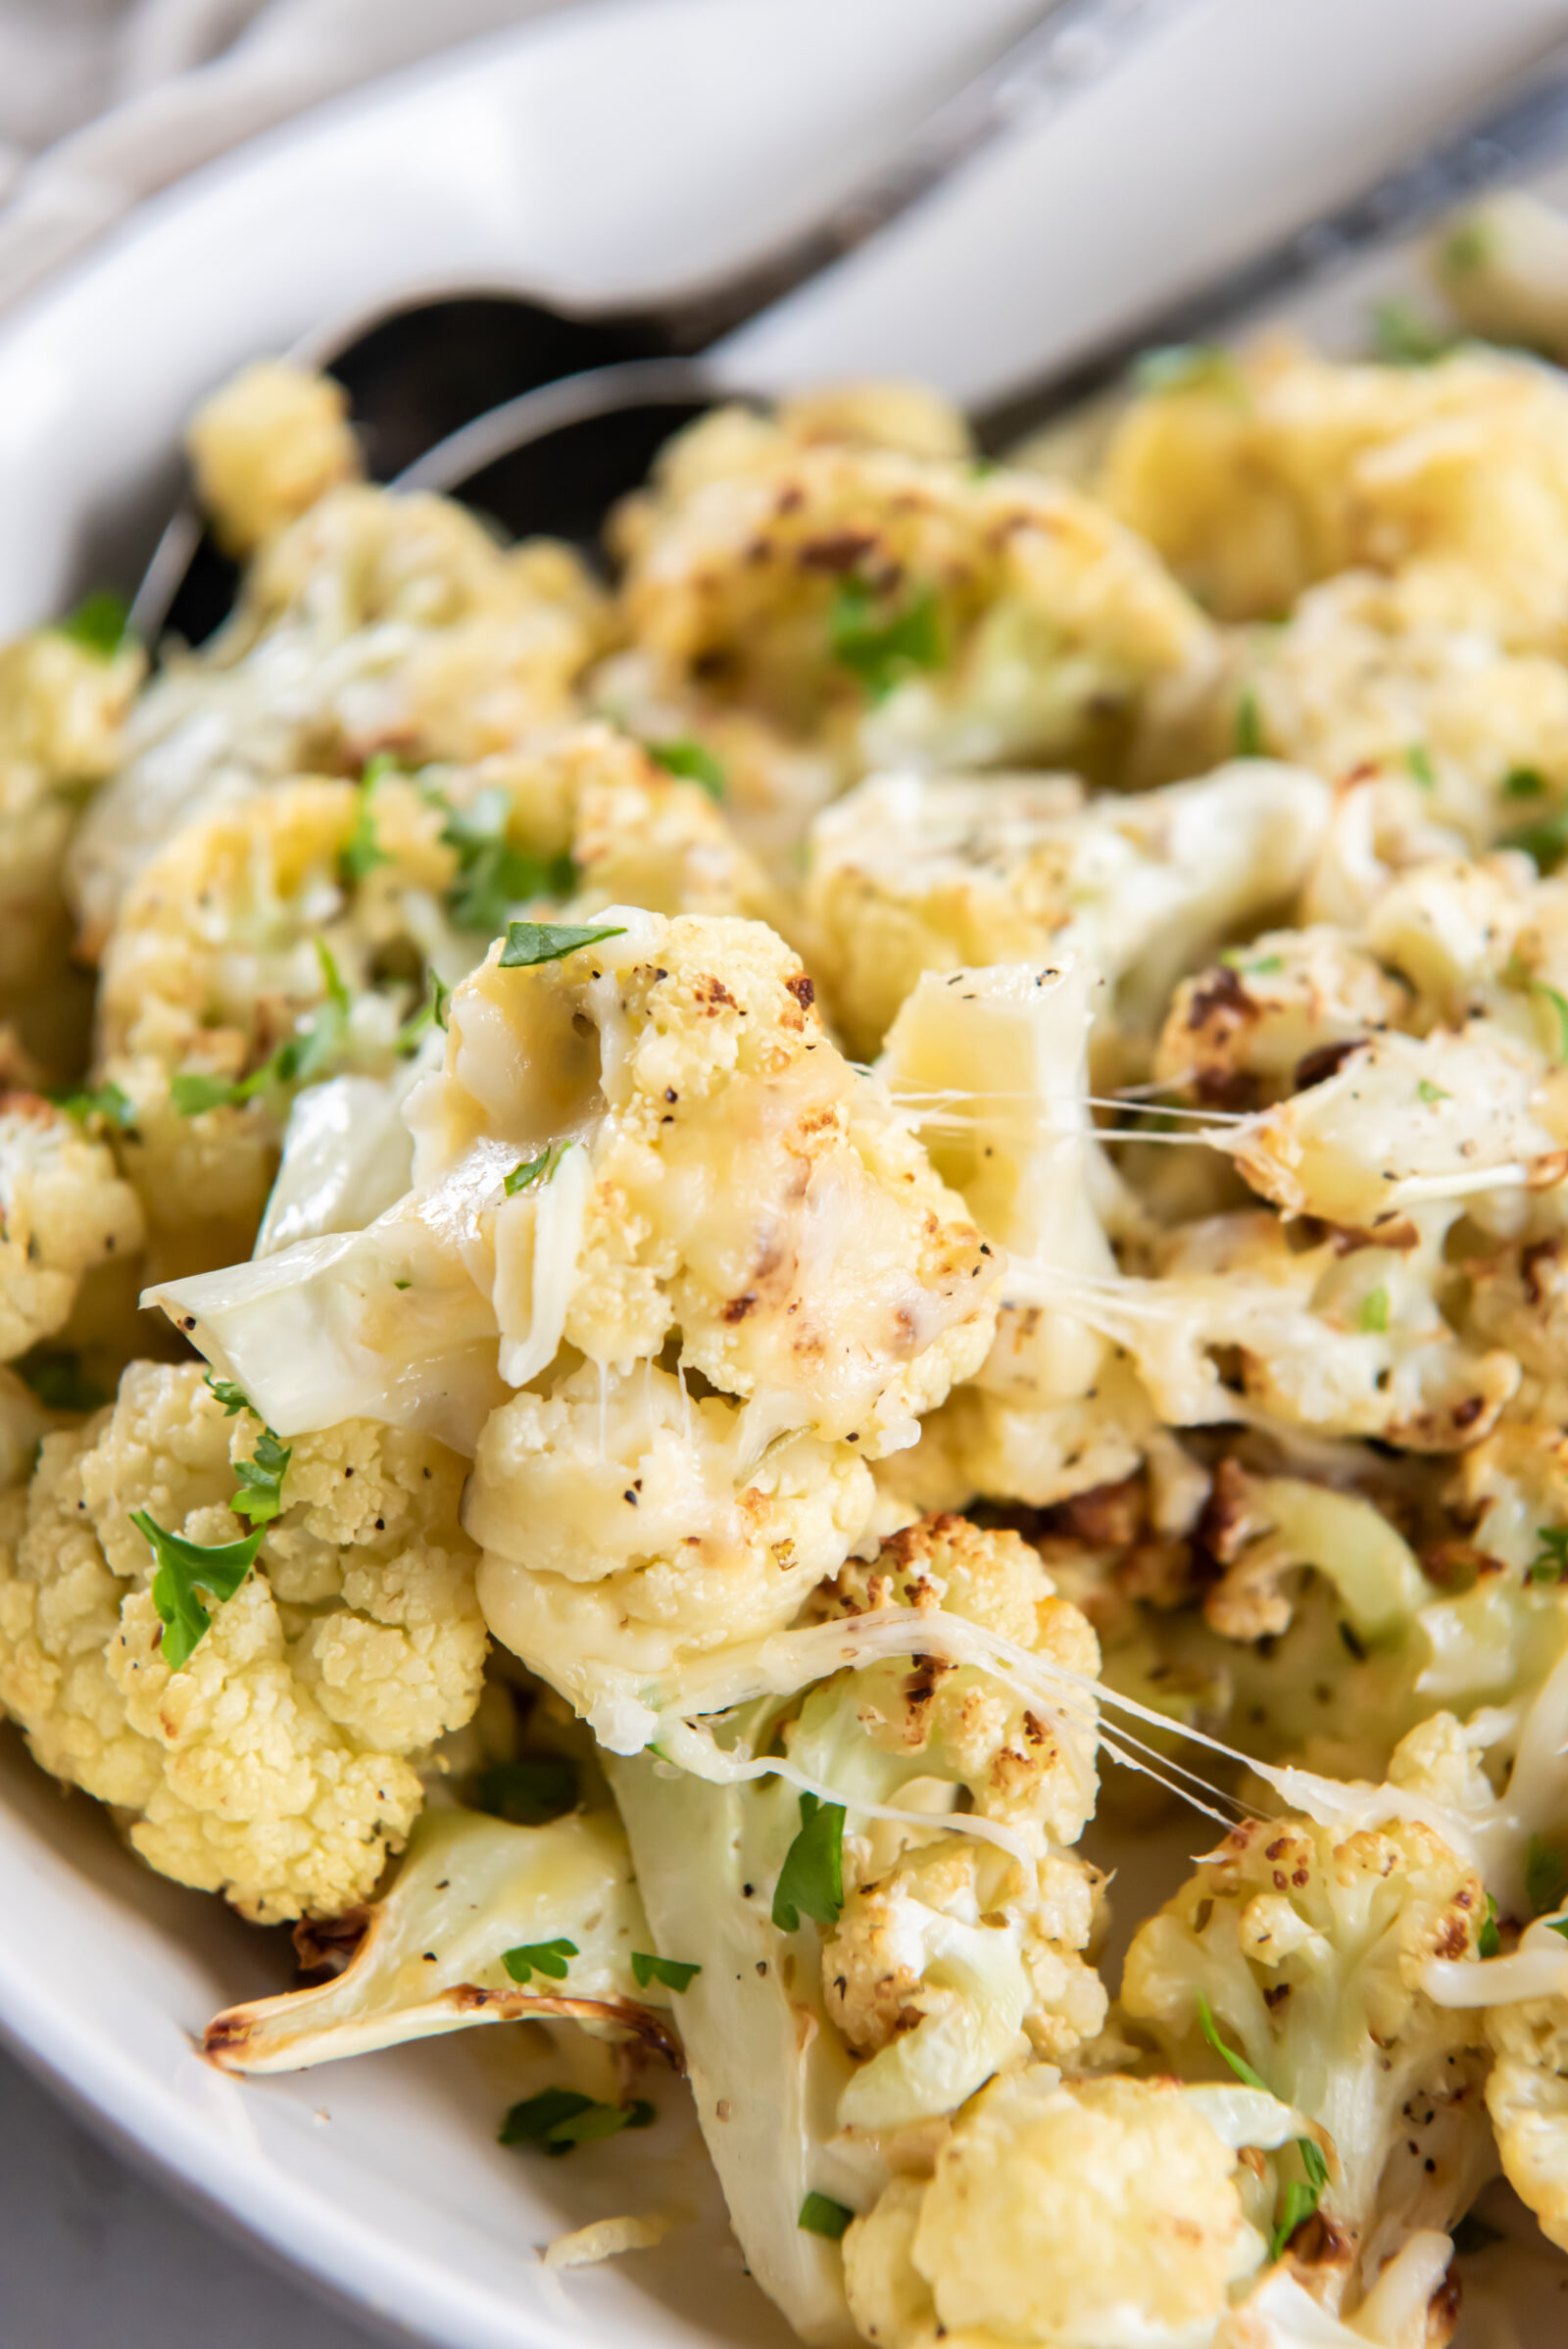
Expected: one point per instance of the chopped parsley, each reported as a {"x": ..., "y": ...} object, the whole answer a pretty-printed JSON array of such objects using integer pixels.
[
  {"x": 692, "y": 761},
  {"x": 98, "y": 624},
  {"x": 532, "y": 942},
  {"x": 1249, "y": 726},
  {"x": 1418, "y": 758},
  {"x": 233, "y": 1398},
  {"x": 1551, "y": 1563},
  {"x": 1373, "y": 1318},
  {"x": 107, "y": 1102},
  {"x": 531, "y": 1174},
  {"x": 539, "y": 1957},
  {"x": 558, "y": 2119},
  {"x": 55, "y": 1377},
  {"x": 1235, "y": 957},
  {"x": 821, "y": 2215},
  {"x": 1301, "y": 2201},
  {"x": 676, "y": 1974},
  {"x": 528, "y": 1794},
  {"x": 882, "y": 652},
  {"x": 308, "y": 1053},
  {"x": 1558, "y": 1925},
  {"x": 1402, "y": 338},
  {"x": 261, "y": 1496},
  {"x": 1546, "y": 1878},
  {"x": 493, "y": 875},
  {"x": 1544, "y": 842},
  {"x": 362, "y": 852},
  {"x": 431, "y": 1013},
  {"x": 184, "y": 1570},
  {"x": 811, "y": 1878},
  {"x": 1190, "y": 366},
  {"x": 1516, "y": 975},
  {"x": 1433, "y": 1094},
  {"x": 1524, "y": 783},
  {"x": 1489, "y": 1940}
]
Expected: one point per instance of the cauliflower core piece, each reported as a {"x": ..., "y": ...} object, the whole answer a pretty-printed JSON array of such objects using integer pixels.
[
  {"x": 217, "y": 958},
  {"x": 63, "y": 1212},
  {"x": 1094, "y": 2214},
  {"x": 276, "y": 1766},
  {"x": 372, "y": 623},
  {"x": 266, "y": 446}
]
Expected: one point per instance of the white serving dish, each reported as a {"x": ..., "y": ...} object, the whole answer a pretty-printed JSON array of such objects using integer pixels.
[{"x": 603, "y": 153}]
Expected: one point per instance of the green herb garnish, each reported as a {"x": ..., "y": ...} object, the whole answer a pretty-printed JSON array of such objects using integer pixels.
[
  {"x": 1300, "y": 2199},
  {"x": 1489, "y": 1940},
  {"x": 362, "y": 852},
  {"x": 1402, "y": 338},
  {"x": 1373, "y": 1318},
  {"x": 493, "y": 875},
  {"x": 1466, "y": 247},
  {"x": 676, "y": 1974},
  {"x": 261, "y": 1496},
  {"x": 1433, "y": 1094},
  {"x": 532, "y": 942},
  {"x": 821, "y": 2215},
  {"x": 1551, "y": 1563},
  {"x": 692, "y": 761},
  {"x": 812, "y": 1875},
  {"x": 1524, "y": 783},
  {"x": 1418, "y": 758},
  {"x": 98, "y": 624},
  {"x": 528, "y": 1794},
  {"x": 532, "y": 1174},
  {"x": 539, "y": 1957},
  {"x": 1543, "y": 843},
  {"x": 107, "y": 1102},
  {"x": 184, "y": 1569},
  {"x": 558, "y": 2119},
  {"x": 432, "y": 1013},
  {"x": 233, "y": 1398},
  {"x": 1249, "y": 726},
  {"x": 1190, "y": 366},
  {"x": 1546, "y": 1878},
  {"x": 882, "y": 653}
]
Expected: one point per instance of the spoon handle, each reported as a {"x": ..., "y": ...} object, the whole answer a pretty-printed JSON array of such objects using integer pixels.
[{"x": 1073, "y": 45}]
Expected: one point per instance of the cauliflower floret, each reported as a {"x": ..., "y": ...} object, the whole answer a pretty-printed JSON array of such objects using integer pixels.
[
  {"x": 1091, "y": 2213},
  {"x": 910, "y": 875},
  {"x": 1527, "y": 2097},
  {"x": 372, "y": 623},
  {"x": 1275, "y": 1015},
  {"x": 235, "y": 935},
  {"x": 275, "y": 1764},
  {"x": 1256, "y": 480},
  {"x": 1308, "y": 1951},
  {"x": 62, "y": 706},
  {"x": 888, "y": 606},
  {"x": 643, "y": 1139},
  {"x": 64, "y": 1212},
  {"x": 266, "y": 447},
  {"x": 1502, "y": 264}
]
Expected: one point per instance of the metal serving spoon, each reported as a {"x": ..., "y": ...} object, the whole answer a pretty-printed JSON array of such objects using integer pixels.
[
  {"x": 418, "y": 372},
  {"x": 554, "y": 458}
]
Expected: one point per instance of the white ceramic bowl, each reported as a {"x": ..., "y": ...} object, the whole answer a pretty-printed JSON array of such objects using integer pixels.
[{"x": 603, "y": 153}]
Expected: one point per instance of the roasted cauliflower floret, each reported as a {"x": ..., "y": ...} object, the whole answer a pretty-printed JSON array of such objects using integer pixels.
[
  {"x": 277, "y": 1764},
  {"x": 1090, "y": 2213},
  {"x": 63, "y": 702},
  {"x": 310, "y": 918},
  {"x": 1308, "y": 1949},
  {"x": 266, "y": 446},
  {"x": 64, "y": 1212},
  {"x": 1527, "y": 2097},
  {"x": 893, "y": 607},
  {"x": 372, "y": 623},
  {"x": 1273, "y": 1015},
  {"x": 1258, "y": 479},
  {"x": 643, "y": 1139},
  {"x": 909, "y": 875}
]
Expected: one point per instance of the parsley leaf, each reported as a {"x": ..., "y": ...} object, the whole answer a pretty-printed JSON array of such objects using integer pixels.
[
  {"x": 1489, "y": 1940},
  {"x": 1543, "y": 843},
  {"x": 493, "y": 875},
  {"x": 1235, "y": 957},
  {"x": 185, "y": 1568},
  {"x": 261, "y": 1494},
  {"x": 812, "y": 1875},
  {"x": 307, "y": 1053},
  {"x": 432, "y": 1013},
  {"x": 1546, "y": 1878},
  {"x": 528, "y": 1794},
  {"x": 1432, "y": 1093},
  {"x": 1190, "y": 366},
  {"x": 228, "y": 1394},
  {"x": 1524, "y": 783},
  {"x": 881, "y": 653},
  {"x": 532, "y": 942},
  {"x": 1558, "y": 1925},
  {"x": 1373, "y": 1318},
  {"x": 1551, "y": 1563},
  {"x": 539, "y": 1957},
  {"x": 362, "y": 852},
  {"x": 1249, "y": 726},
  {"x": 821, "y": 2215},
  {"x": 530, "y": 1174},
  {"x": 193, "y": 1094},
  {"x": 98, "y": 624},
  {"x": 1418, "y": 758},
  {"x": 692, "y": 761},
  {"x": 558, "y": 2119},
  {"x": 55, "y": 1377},
  {"x": 676, "y": 1974},
  {"x": 1403, "y": 338},
  {"x": 104, "y": 1101}
]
